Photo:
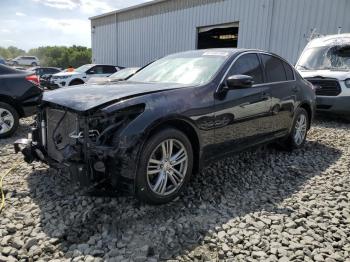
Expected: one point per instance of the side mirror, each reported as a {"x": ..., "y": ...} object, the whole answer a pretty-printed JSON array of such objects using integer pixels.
[{"x": 239, "y": 82}]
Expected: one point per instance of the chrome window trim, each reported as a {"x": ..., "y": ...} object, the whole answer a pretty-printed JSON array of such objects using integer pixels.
[{"x": 258, "y": 85}]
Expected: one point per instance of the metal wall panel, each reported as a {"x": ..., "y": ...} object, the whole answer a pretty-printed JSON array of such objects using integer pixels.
[
  {"x": 138, "y": 36},
  {"x": 293, "y": 22}
]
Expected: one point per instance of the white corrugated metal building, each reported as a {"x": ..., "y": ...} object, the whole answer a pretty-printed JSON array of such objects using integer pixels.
[{"x": 137, "y": 35}]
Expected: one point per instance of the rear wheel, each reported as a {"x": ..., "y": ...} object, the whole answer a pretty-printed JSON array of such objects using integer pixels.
[
  {"x": 165, "y": 167},
  {"x": 297, "y": 137},
  {"x": 9, "y": 120},
  {"x": 34, "y": 64}
]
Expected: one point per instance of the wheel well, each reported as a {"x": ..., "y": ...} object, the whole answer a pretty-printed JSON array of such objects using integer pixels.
[
  {"x": 189, "y": 131},
  {"x": 309, "y": 112},
  {"x": 76, "y": 80},
  {"x": 12, "y": 102}
]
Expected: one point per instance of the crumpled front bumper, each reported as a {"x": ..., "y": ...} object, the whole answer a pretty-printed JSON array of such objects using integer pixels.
[{"x": 337, "y": 105}]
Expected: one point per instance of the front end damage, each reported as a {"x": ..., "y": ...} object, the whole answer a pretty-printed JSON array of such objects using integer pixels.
[{"x": 87, "y": 146}]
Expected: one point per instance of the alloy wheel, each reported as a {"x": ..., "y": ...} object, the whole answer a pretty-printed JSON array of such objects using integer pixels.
[
  {"x": 300, "y": 129},
  {"x": 167, "y": 167},
  {"x": 7, "y": 121}
]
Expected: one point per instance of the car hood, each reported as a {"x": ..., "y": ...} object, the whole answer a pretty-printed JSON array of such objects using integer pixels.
[
  {"x": 86, "y": 97},
  {"x": 340, "y": 75},
  {"x": 66, "y": 74}
]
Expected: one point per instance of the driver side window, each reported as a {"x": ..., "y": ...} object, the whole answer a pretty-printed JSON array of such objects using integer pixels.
[{"x": 248, "y": 64}]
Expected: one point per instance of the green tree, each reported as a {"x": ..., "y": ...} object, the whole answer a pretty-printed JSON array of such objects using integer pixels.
[
  {"x": 57, "y": 56},
  {"x": 11, "y": 52}
]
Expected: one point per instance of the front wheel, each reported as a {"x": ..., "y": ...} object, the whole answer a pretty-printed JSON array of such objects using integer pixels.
[
  {"x": 297, "y": 137},
  {"x": 9, "y": 120},
  {"x": 165, "y": 167}
]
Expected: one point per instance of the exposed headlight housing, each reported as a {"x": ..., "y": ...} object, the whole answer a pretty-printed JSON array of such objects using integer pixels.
[
  {"x": 64, "y": 77},
  {"x": 347, "y": 83}
]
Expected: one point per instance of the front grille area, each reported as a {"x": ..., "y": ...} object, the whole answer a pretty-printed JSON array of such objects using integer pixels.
[
  {"x": 59, "y": 126},
  {"x": 326, "y": 87}
]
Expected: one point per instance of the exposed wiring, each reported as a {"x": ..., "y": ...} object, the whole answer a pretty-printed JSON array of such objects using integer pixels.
[{"x": 2, "y": 205}]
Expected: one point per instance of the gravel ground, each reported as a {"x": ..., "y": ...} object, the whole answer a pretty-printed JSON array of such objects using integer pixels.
[{"x": 257, "y": 206}]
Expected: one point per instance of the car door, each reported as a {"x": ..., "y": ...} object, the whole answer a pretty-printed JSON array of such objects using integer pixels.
[
  {"x": 282, "y": 87},
  {"x": 239, "y": 112}
]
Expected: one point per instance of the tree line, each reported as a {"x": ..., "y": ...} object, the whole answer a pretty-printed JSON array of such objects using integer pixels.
[{"x": 55, "y": 56}]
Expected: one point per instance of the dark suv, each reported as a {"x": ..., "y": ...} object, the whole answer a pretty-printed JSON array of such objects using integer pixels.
[{"x": 149, "y": 134}]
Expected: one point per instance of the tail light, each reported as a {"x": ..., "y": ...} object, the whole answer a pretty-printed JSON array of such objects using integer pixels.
[{"x": 33, "y": 79}]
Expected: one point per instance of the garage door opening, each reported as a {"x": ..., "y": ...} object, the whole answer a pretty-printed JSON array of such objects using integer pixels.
[{"x": 218, "y": 36}]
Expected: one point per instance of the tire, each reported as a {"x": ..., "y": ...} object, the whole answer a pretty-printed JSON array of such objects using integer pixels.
[
  {"x": 9, "y": 120},
  {"x": 76, "y": 82},
  {"x": 34, "y": 64},
  {"x": 148, "y": 186},
  {"x": 300, "y": 122},
  {"x": 15, "y": 63}
]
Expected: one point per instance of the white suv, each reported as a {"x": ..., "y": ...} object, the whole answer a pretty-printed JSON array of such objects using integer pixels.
[
  {"x": 25, "y": 61},
  {"x": 325, "y": 62},
  {"x": 81, "y": 75}
]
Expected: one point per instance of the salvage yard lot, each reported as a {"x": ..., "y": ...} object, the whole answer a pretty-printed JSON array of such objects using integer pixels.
[{"x": 262, "y": 205}]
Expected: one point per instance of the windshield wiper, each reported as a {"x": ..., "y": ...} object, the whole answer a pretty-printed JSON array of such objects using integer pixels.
[{"x": 304, "y": 67}]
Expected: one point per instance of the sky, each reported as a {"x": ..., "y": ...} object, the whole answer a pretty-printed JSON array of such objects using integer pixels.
[{"x": 28, "y": 24}]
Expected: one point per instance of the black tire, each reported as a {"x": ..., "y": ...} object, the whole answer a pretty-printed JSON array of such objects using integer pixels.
[
  {"x": 143, "y": 189},
  {"x": 15, "y": 63},
  {"x": 15, "y": 116},
  {"x": 290, "y": 143},
  {"x": 76, "y": 82},
  {"x": 34, "y": 64}
]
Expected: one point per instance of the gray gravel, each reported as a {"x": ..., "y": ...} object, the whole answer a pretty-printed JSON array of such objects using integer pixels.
[{"x": 265, "y": 205}]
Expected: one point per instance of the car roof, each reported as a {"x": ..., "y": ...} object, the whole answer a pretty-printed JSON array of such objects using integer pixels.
[{"x": 330, "y": 40}]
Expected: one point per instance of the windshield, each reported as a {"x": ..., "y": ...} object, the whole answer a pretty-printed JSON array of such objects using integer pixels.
[
  {"x": 83, "y": 68},
  {"x": 124, "y": 73},
  {"x": 325, "y": 57},
  {"x": 192, "y": 68}
]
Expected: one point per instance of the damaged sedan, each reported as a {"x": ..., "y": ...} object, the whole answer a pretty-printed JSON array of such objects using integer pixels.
[{"x": 149, "y": 134}]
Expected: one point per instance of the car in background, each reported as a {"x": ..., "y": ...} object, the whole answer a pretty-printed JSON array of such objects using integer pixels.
[
  {"x": 40, "y": 71},
  {"x": 325, "y": 62},
  {"x": 121, "y": 75},
  {"x": 25, "y": 61},
  {"x": 150, "y": 133},
  {"x": 44, "y": 74},
  {"x": 82, "y": 74},
  {"x": 20, "y": 95},
  {"x": 2, "y": 61}
]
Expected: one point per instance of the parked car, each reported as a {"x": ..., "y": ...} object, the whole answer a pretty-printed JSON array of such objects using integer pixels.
[
  {"x": 25, "y": 61},
  {"x": 44, "y": 74},
  {"x": 2, "y": 61},
  {"x": 150, "y": 133},
  {"x": 19, "y": 96},
  {"x": 40, "y": 71},
  {"x": 121, "y": 75},
  {"x": 325, "y": 62},
  {"x": 81, "y": 75}
]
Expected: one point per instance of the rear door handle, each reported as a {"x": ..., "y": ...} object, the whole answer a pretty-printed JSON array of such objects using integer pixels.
[{"x": 265, "y": 95}]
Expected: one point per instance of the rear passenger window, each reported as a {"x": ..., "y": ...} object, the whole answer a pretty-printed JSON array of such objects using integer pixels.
[
  {"x": 289, "y": 71},
  {"x": 248, "y": 64},
  {"x": 109, "y": 69},
  {"x": 274, "y": 69}
]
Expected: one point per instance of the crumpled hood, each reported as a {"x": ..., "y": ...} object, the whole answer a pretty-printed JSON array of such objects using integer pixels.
[
  {"x": 86, "y": 97},
  {"x": 340, "y": 75}
]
